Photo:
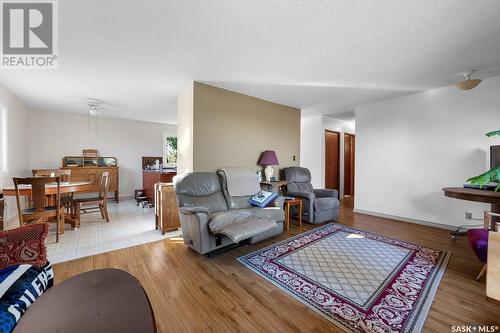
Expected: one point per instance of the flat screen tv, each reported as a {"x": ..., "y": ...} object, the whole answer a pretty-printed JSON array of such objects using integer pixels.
[{"x": 495, "y": 156}]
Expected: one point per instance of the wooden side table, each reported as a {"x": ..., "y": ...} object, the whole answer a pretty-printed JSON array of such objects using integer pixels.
[{"x": 288, "y": 203}]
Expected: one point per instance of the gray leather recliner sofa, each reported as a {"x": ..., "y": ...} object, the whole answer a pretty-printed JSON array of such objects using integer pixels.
[
  {"x": 319, "y": 205},
  {"x": 203, "y": 199}
]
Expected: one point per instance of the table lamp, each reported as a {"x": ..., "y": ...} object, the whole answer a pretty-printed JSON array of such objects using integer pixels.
[{"x": 269, "y": 159}]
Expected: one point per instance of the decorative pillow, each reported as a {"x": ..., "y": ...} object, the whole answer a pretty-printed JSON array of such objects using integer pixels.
[
  {"x": 20, "y": 286},
  {"x": 263, "y": 198},
  {"x": 24, "y": 245}
]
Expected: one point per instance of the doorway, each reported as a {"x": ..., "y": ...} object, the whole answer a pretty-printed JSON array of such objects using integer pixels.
[
  {"x": 349, "y": 158},
  {"x": 332, "y": 160}
]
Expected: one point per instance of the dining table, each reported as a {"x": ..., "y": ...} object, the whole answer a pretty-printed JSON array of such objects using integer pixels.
[{"x": 51, "y": 193}]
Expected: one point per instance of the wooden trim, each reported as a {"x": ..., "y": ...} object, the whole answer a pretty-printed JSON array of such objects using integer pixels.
[
  {"x": 352, "y": 161},
  {"x": 338, "y": 158}
]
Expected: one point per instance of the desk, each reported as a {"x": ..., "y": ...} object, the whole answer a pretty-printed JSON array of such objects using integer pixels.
[
  {"x": 51, "y": 191},
  {"x": 476, "y": 195},
  {"x": 493, "y": 268}
]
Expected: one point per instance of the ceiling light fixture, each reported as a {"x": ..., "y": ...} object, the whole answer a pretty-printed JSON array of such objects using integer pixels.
[
  {"x": 468, "y": 83},
  {"x": 93, "y": 111}
]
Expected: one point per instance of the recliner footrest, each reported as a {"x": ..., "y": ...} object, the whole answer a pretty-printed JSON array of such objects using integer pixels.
[{"x": 239, "y": 227}]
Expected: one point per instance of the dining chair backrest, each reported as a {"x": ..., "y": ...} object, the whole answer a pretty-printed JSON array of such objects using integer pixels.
[
  {"x": 104, "y": 187},
  {"x": 37, "y": 192},
  {"x": 64, "y": 174}
]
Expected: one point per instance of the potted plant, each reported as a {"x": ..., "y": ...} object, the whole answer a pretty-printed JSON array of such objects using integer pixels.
[{"x": 492, "y": 175}]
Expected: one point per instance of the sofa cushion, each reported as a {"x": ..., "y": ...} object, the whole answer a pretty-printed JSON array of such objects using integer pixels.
[
  {"x": 274, "y": 213},
  {"x": 200, "y": 189},
  {"x": 239, "y": 181},
  {"x": 233, "y": 202},
  {"x": 24, "y": 245},
  {"x": 239, "y": 224},
  {"x": 321, "y": 204},
  {"x": 20, "y": 286}
]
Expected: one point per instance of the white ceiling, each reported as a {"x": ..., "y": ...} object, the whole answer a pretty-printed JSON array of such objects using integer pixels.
[{"x": 324, "y": 57}]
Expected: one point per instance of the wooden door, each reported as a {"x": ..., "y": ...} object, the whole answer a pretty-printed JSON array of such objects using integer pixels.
[
  {"x": 332, "y": 160},
  {"x": 349, "y": 152}
]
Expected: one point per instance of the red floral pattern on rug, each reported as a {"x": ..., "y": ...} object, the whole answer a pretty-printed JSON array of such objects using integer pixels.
[{"x": 399, "y": 307}]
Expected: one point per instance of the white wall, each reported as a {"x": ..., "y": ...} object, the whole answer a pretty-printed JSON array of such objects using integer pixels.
[
  {"x": 185, "y": 121},
  {"x": 55, "y": 134},
  {"x": 17, "y": 144},
  {"x": 311, "y": 136},
  {"x": 312, "y": 146},
  {"x": 408, "y": 148}
]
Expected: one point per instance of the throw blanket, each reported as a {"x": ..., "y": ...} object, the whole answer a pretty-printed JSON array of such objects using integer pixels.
[
  {"x": 241, "y": 181},
  {"x": 20, "y": 286}
]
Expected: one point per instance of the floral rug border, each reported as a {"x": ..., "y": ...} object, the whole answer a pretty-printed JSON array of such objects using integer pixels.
[{"x": 402, "y": 306}]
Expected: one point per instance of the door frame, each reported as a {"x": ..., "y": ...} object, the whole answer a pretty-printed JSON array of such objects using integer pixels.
[
  {"x": 353, "y": 162},
  {"x": 338, "y": 157}
]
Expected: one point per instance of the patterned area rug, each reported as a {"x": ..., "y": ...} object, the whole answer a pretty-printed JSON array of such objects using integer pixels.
[{"x": 361, "y": 281}]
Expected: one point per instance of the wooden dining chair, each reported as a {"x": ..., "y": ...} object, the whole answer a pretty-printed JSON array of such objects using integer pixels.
[
  {"x": 100, "y": 200},
  {"x": 63, "y": 173},
  {"x": 39, "y": 210},
  {"x": 66, "y": 198}
]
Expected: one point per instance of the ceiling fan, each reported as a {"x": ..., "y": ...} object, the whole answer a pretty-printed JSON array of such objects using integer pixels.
[{"x": 467, "y": 83}]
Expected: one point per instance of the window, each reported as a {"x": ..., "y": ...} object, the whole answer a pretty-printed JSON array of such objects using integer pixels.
[
  {"x": 3, "y": 140},
  {"x": 169, "y": 150}
]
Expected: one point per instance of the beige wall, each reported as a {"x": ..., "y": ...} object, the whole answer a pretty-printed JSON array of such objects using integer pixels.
[{"x": 232, "y": 129}]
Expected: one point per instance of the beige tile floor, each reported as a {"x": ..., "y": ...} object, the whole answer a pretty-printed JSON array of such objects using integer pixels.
[{"x": 129, "y": 225}]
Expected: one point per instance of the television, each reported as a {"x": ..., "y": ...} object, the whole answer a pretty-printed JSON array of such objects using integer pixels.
[{"x": 495, "y": 156}]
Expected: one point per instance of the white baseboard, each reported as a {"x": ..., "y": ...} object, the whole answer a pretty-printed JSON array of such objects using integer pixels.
[{"x": 406, "y": 219}]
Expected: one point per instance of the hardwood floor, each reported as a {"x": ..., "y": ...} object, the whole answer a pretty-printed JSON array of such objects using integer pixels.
[{"x": 192, "y": 293}]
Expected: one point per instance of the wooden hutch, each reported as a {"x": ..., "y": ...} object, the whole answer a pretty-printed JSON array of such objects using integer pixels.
[
  {"x": 150, "y": 177},
  {"x": 90, "y": 168}
]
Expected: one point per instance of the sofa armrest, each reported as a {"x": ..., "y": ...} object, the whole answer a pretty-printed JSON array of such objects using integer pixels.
[
  {"x": 324, "y": 193},
  {"x": 194, "y": 224},
  {"x": 194, "y": 210},
  {"x": 306, "y": 195}
]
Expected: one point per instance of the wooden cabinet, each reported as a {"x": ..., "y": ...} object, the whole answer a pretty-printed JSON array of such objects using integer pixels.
[
  {"x": 166, "y": 211},
  {"x": 151, "y": 177},
  {"x": 90, "y": 169}
]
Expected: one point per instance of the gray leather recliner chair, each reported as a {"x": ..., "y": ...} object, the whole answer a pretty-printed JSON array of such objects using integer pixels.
[
  {"x": 318, "y": 205},
  {"x": 203, "y": 197}
]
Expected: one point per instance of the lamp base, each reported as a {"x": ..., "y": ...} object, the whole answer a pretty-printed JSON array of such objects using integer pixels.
[{"x": 268, "y": 171}]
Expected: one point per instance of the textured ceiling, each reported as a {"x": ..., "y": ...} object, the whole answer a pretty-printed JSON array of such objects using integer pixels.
[{"x": 325, "y": 57}]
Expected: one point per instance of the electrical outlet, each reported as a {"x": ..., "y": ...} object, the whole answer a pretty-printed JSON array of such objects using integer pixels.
[
  {"x": 294, "y": 158},
  {"x": 468, "y": 215}
]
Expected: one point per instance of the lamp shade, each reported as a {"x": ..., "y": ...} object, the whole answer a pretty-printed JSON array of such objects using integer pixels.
[{"x": 269, "y": 158}]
